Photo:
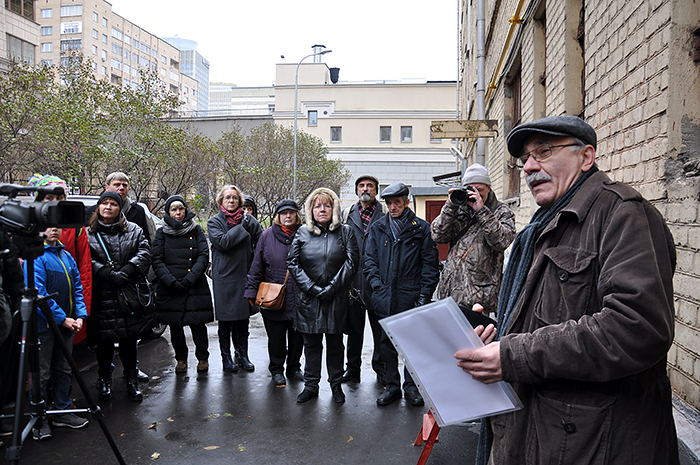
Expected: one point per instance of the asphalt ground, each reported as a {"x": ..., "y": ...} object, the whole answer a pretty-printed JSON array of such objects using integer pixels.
[{"x": 242, "y": 418}]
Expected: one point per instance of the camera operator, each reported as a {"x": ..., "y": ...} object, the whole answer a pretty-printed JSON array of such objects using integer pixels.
[{"x": 478, "y": 228}]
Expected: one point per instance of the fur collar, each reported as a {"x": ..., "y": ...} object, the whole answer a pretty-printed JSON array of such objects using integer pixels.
[{"x": 308, "y": 210}]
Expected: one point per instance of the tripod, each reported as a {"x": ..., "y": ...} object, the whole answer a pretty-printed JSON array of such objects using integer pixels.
[{"x": 30, "y": 248}]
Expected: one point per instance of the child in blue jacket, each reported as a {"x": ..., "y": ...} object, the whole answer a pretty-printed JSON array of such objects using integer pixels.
[{"x": 56, "y": 271}]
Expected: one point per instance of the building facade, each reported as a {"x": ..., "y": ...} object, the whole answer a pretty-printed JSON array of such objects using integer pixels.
[
  {"x": 380, "y": 128},
  {"x": 227, "y": 99},
  {"x": 19, "y": 33},
  {"x": 194, "y": 65},
  {"x": 631, "y": 69},
  {"x": 117, "y": 48}
]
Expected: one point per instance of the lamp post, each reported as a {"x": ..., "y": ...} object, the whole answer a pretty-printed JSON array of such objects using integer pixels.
[{"x": 296, "y": 91}]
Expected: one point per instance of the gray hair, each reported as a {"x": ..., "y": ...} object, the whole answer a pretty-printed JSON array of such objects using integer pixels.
[{"x": 116, "y": 176}]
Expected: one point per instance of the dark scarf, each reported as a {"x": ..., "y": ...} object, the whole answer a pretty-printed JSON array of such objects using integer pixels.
[
  {"x": 397, "y": 224},
  {"x": 173, "y": 227},
  {"x": 366, "y": 213},
  {"x": 513, "y": 283},
  {"x": 233, "y": 218}
]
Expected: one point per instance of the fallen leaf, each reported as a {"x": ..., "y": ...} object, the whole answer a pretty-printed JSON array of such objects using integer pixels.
[
  {"x": 211, "y": 447},
  {"x": 213, "y": 415},
  {"x": 241, "y": 448},
  {"x": 155, "y": 456},
  {"x": 350, "y": 439},
  {"x": 170, "y": 419},
  {"x": 227, "y": 415},
  {"x": 121, "y": 434},
  {"x": 152, "y": 425}
]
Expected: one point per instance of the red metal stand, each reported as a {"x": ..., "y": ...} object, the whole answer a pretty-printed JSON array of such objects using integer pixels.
[{"x": 428, "y": 434}]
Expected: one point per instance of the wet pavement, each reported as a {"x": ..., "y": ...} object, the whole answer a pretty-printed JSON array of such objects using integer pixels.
[{"x": 222, "y": 418}]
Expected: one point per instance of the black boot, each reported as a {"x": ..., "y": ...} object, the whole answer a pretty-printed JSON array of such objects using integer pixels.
[
  {"x": 226, "y": 356},
  {"x": 242, "y": 355},
  {"x": 104, "y": 386},
  {"x": 132, "y": 386}
]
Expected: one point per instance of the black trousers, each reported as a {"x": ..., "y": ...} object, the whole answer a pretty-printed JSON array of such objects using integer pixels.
[
  {"x": 284, "y": 343},
  {"x": 356, "y": 342},
  {"x": 199, "y": 336},
  {"x": 105, "y": 355},
  {"x": 390, "y": 357},
  {"x": 313, "y": 351},
  {"x": 236, "y": 331}
]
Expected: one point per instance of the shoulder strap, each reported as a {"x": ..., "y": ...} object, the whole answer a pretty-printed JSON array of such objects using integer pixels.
[{"x": 99, "y": 236}]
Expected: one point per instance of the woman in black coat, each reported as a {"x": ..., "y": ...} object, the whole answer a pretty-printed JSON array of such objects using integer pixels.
[
  {"x": 180, "y": 258},
  {"x": 120, "y": 254},
  {"x": 270, "y": 265},
  {"x": 323, "y": 261},
  {"x": 233, "y": 235}
]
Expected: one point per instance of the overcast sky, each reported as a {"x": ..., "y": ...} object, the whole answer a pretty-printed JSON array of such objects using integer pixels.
[{"x": 370, "y": 39}]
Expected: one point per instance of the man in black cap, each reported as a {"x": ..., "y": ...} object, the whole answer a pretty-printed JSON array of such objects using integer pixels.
[
  {"x": 360, "y": 216},
  {"x": 585, "y": 314},
  {"x": 401, "y": 265}
]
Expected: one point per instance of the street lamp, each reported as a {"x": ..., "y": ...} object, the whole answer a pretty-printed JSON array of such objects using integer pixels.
[{"x": 296, "y": 91}]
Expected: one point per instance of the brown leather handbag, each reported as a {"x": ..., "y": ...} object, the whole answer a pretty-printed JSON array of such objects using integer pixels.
[{"x": 271, "y": 295}]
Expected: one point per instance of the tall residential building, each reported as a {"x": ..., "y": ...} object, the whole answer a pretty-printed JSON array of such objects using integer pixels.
[
  {"x": 117, "y": 48},
  {"x": 19, "y": 33},
  {"x": 194, "y": 65},
  {"x": 227, "y": 99}
]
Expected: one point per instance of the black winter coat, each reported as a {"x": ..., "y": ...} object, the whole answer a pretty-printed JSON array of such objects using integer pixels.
[
  {"x": 329, "y": 258},
  {"x": 182, "y": 260},
  {"x": 270, "y": 265},
  {"x": 402, "y": 270},
  {"x": 107, "y": 321}
]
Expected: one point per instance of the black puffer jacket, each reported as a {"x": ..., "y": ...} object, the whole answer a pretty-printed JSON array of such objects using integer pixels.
[
  {"x": 129, "y": 251},
  {"x": 319, "y": 258},
  {"x": 182, "y": 260}
]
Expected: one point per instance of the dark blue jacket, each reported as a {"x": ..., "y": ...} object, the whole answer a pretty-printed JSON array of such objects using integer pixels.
[
  {"x": 402, "y": 270},
  {"x": 56, "y": 271}
]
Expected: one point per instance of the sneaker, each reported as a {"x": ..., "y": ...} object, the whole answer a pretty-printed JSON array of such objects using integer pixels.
[
  {"x": 181, "y": 366},
  {"x": 43, "y": 433},
  {"x": 202, "y": 365},
  {"x": 70, "y": 420}
]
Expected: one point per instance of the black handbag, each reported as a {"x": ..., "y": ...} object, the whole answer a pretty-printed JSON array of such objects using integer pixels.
[{"x": 136, "y": 301}]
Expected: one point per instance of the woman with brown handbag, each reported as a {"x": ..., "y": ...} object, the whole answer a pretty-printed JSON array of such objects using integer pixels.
[{"x": 270, "y": 265}]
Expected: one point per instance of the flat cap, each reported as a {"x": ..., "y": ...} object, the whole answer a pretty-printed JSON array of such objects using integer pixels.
[
  {"x": 286, "y": 204},
  {"x": 367, "y": 176},
  {"x": 564, "y": 126},
  {"x": 398, "y": 189}
]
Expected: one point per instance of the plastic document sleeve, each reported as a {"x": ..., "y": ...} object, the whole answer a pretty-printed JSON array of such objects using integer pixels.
[{"x": 427, "y": 338}]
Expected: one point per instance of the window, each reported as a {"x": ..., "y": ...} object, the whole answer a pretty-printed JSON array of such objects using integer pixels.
[
  {"x": 47, "y": 47},
  {"x": 117, "y": 34},
  {"x": 95, "y": 17},
  {"x": 135, "y": 58},
  {"x": 104, "y": 21},
  {"x": 174, "y": 76},
  {"x": 47, "y": 13},
  {"x": 164, "y": 59},
  {"x": 313, "y": 118},
  {"x": 154, "y": 54},
  {"x": 163, "y": 72},
  {"x": 145, "y": 48},
  {"x": 104, "y": 55},
  {"x": 145, "y": 62},
  {"x": 20, "y": 50},
  {"x": 71, "y": 44},
  {"x": 127, "y": 55},
  {"x": 384, "y": 133},
  {"x": 95, "y": 34},
  {"x": 21, "y": 7},
  {"x": 117, "y": 49},
  {"x": 94, "y": 49},
  {"x": 513, "y": 94},
  {"x": 127, "y": 69},
  {"x": 406, "y": 133},
  {"x": 93, "y": 65},
  {"x": 127, "y": 39},
  {"x": 47, "y": 62},
  {"x": 135, "y": 43},
  {"x": 72, "y": 27},
  {"x": 336, "y": 134},
  {"x": 116, "y": 64},
  {"x": 71, "y": 10},
  {"x": 104, "y": 38},
  {"x": 46, "y": 30},
  {"x": 104, "y": 70}
]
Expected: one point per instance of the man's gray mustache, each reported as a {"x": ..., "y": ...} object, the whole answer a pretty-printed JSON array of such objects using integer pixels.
[{"x": 536, "y": 177}]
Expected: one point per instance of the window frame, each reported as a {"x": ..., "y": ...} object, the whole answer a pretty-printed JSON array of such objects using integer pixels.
[
  {"x": 312, "y": 118},
  {"x": 408, "y": 139},
  {"x": 338, "y": 130},
  {"x": 383, "y": 140}
]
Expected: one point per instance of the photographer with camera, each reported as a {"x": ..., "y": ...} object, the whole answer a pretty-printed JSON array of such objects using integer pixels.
[{"x": 478, "y": 228}]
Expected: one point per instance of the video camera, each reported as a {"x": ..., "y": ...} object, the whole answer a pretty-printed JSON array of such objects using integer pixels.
[
  {"x": 30, "y": 219},
  {"x": 460, "y": 196}
]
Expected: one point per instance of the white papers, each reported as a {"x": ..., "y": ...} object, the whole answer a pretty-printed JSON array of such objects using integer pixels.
[{"x": 428, "y": 338}]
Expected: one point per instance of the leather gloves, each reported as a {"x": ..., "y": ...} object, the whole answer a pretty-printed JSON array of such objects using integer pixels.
[
  {"x": 422, "y": 300},
  {"x": 118, "y": 277},
  {"x": 326, "y": 293}
]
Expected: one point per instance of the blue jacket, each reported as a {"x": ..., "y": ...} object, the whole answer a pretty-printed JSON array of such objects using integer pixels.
[{"x": 56, "y": 271}]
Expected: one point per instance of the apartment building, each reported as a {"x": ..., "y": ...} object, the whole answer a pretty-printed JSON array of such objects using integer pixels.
[
  {"x": 19, "y": 33},
  {"x": 373, "y": 127},
  {"x": 631, "y": 69},
  {"x": 117, "y": 48}
]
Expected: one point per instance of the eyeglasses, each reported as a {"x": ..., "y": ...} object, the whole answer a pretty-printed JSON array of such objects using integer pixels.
[
  {"x": 231, "y": 197},
  {"x": 540, "y": 154}
]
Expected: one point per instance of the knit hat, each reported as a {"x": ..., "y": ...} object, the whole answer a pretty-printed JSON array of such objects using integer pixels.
[
  {"x": 48, "y": 180},
  {"x": 111, "y": 195},
  {"x": 476, "y": 174},
  {"x": 174, "y": 198}
]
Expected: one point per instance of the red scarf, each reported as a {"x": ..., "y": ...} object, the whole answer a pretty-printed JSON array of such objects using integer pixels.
[
  {"x": 288, "y": 231},
  {"x": 233, "y": 218}
]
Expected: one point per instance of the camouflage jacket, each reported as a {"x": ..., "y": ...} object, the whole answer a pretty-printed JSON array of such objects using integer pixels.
[{"x": 474, "y": 265}]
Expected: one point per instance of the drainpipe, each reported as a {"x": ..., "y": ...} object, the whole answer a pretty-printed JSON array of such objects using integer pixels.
[{"x": 480, "y": 78}]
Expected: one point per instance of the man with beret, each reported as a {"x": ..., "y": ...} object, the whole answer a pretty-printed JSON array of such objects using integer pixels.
[
  {"x": 478, "y": 231},
  {"x": 401, "y": 265},
  {"x": 585, "y": 314},
  {"x": 360, "y": 216}
]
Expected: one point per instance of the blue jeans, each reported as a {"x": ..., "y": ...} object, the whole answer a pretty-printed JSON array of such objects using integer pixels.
[{"x": 53, "y": 365}]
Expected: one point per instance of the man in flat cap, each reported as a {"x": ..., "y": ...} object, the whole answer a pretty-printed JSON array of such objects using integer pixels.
[
  {"x": 360, "y": 216},
  {"x": 478, "y": 230},
  {"x": 401, "y": 265},
  {"x": 585, "y": 314}
]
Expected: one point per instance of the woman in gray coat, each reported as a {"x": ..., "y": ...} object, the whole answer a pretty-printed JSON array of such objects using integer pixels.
[
  {"x": 323, "y": 261},
  {"x": 233, "y": 236}
]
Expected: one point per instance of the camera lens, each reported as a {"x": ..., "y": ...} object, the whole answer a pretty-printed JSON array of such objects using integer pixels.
[{"x": 459, "y": 197}]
